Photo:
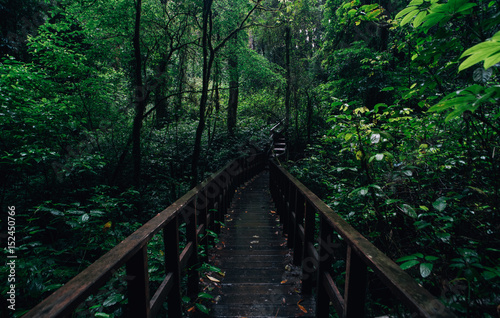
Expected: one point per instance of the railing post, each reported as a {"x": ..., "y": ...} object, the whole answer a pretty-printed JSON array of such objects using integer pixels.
[
  {"x": 309, "y": 263},
  {"x": 286, "y": 206},
  {"x": 138, "y": 284},
  {"x": 325, "y": 262},
  {"x": 298, "y": 245},
  {"x": 202, "y": 211},
  {"x": 211, "y": 195},
  {"x": 292, "y": 215},
  {"x": 218, "y": 215},
  {"x": 281, "y": 207},
  {"x": 355, "y": 285},
  {"x": 171, "y": 242},
  {"x": 191, "y": 235}
]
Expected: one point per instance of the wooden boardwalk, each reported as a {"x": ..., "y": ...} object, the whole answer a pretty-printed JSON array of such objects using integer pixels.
[{"x": 259, "y": 279}]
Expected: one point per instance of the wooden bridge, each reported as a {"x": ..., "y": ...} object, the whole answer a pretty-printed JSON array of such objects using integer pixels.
[{"x": 281, "y": 257}]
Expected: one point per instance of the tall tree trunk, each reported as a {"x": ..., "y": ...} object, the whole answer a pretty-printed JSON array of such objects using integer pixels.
[
  {"x": 216, "y": 102},
  {"x": 160, "y": 100},
  {"x": 140, "y": 98},
  {"x": 208, "y": 57},
  {"x": 232, "y": 106},
  {"x": 180, "y": 88},
  {"x": 288, "y": 41}
]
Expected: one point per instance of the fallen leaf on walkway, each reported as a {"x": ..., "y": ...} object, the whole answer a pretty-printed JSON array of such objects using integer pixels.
[
  {"x": 254, "y": 242},
  {"x": 273, "y": 211},
  {"x": 301, "y": 307},
  {"x": 255, "y": 236},
  {"x": 284, "y": 281},
  {"x": 213, "y": 279}
]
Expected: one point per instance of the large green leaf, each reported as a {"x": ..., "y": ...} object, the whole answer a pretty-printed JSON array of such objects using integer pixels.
[{"x": 488, "y": 51}]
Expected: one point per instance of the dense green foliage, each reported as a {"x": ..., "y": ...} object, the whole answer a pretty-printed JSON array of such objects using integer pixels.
[
  {"x": 391, "y": 108},
  {"x": 410, "y": 157}
]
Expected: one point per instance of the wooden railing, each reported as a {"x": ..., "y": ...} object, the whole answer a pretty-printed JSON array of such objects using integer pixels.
[
  {"x": 198, "y": 209},
  {"x": 299, "y": 209}
]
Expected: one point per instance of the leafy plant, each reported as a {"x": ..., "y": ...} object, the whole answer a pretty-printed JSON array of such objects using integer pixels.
[{"x": 424, "y": 262}]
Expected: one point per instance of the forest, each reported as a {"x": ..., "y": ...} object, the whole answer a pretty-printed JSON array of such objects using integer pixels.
[{"x": 113, "y": 109}]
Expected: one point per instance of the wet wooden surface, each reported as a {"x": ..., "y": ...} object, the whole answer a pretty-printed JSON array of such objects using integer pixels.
[{"x": 259, "y": 279}]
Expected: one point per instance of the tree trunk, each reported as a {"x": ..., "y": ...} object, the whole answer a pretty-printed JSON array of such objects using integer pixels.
[
  {"x": 160, "y": 100},
  {"x": 288, "y": 78},
  {"x": 208, "y": 58},
  {"x": 232, "y": 106},
  {"x": 140, "y": 98}
]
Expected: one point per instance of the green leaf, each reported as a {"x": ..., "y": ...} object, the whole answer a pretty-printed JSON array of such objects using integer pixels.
[
  {"x": 425, "y": 269},
  {"x": 485, "y": 51},
  {"x": 391, "y": 201},
  {"x": 440, "y": 204},
  {"x": 488, "y": 275},
  {"x": 479, "y": 56},
  {"x": 492, "y": 60},
  {"x": 434, "y": 18},
  {"x": 431, "y": 258},
  {"x": 409, "y": 264},
  {"x": 416, "y": 2},
  {"x": 407, "y": 258},
  {"x": 113, "y": 299},
  {"x": 202, "y": 308},
  {"x": 405, "y": 11},
  {"x": 465, "y": 7},
  {"x": 205, "y": 296},
  {"x": 408, "y": 210},
  {"x": 56, "y": 212},
  {"x": 409, "y": 16},
  {"x": 419, "y": 18}
]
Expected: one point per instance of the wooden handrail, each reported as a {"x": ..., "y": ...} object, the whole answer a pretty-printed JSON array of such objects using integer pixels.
[
  {"x": 297, "y": 207},
  {"x": 199, "y": 209}
]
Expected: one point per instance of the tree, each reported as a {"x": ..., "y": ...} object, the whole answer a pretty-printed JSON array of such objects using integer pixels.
[
  {"x": 209, "y": 52},
  {"x": 140, "y": 96}
]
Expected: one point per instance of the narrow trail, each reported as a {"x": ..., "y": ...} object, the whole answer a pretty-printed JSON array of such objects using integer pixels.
[{"x": 259, "y": 281}]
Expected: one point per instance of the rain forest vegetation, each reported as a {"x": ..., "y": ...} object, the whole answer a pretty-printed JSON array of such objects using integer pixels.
[{"x": 111, "y": 110}]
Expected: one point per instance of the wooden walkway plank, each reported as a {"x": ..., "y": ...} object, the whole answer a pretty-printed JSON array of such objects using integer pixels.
[{"x": 259, "y": 281}]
